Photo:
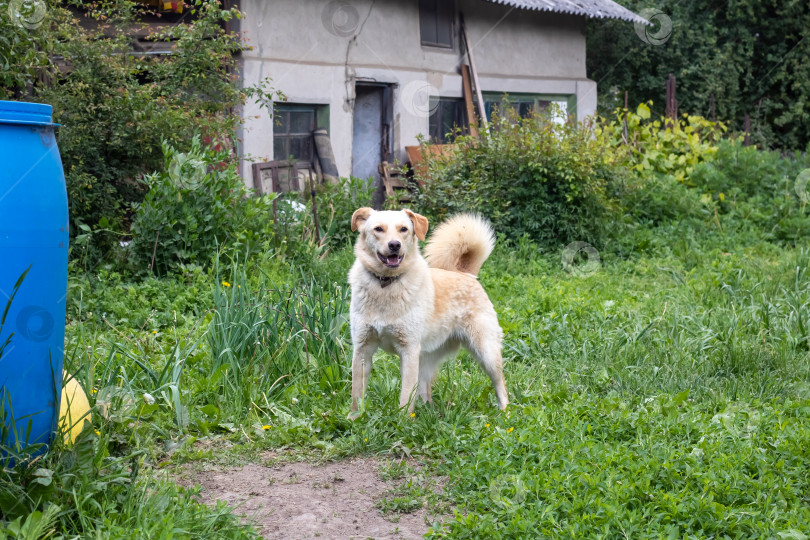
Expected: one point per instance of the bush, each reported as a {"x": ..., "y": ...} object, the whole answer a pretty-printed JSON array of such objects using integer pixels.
[
  {"x": 740, "y": 171},
  {"x": 660, "y": 146},
  {"x": 336, "y": 204},
  {"x": 116, "y": 109},
  {"x": 529, "y": 177},
  {"x": 738, "y": 58},
  {"x": 757, "y": 188},
  {"x": 197, "y": 205}
]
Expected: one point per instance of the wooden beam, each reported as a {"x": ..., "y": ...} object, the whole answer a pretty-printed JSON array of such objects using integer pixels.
[
  {"x": 466, "y": 83},
  {"x": 478, "y": 94}
]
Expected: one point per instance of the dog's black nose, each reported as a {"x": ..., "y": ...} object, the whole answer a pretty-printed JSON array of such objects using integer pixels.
[{"x": 394, "y": 245}]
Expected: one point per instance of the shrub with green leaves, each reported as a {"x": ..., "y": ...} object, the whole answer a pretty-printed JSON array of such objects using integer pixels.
[
  {"x": 337, "y": 203},
  {"x": 730, "y": 59},
  {"x": 659, "y": 145},
  {"x": 115, "y": 105},
  {"x": 195, "y": 206},
  {"x": 758, "y": 189},
  {"x": 528, "y": 176}
]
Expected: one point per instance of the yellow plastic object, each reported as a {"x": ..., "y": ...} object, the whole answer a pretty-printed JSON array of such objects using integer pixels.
[{"x": 75, "y": 409}]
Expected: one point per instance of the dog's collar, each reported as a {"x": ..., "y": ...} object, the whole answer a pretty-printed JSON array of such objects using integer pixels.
[{"x": 385, "y": 281}]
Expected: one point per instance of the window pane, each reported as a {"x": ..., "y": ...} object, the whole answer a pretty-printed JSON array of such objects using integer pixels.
[
  {"x": 292, "y": 130},
  {"x": 427, "y": 21},
  {"x": 302, "y": 121},
  {"x": 444, "y": 23},
  {"x": 279, "y": 147},
  {"x": 301, "y": 148},
  {"x": 280, "y": 122},
  {"x": 447, "y": 116}
]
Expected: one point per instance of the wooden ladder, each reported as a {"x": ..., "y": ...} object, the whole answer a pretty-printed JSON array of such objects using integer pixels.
[{"x": 396, "y": 183}]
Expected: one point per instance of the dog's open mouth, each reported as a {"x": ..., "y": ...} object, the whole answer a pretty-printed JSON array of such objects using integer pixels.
[{"x": 391, "y": 261}]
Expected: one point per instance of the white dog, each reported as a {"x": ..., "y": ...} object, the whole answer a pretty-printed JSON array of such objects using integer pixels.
[{"x": 421, "y": 310}]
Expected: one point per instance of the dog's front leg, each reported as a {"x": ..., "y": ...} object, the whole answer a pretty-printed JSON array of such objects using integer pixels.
[
  {"x": 409, "y": 370},
  {"x": 364, "y": 349}
]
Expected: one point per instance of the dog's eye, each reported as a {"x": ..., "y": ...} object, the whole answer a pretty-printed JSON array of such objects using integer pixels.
[
  {"x": 404, "y": 229},
  {"x": 378, "y": 229}
]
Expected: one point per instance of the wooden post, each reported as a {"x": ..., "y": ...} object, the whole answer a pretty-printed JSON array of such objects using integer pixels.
[
  {"x": 468, "y": 46},
  {"x": 672, "y": 101},
  {"x": 318, "y": 178},
  {"x": 466, "y": 84}
]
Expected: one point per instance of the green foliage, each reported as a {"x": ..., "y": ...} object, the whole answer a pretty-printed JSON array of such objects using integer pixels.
[
  {"x": 116, "y": 109},
  {"x": 265, "y": 340},
  {"x": 758, "y": 189},
  {"x": 750, "y": 56},
  {"x": 745, "y": 172},
  {"x": 336, "y": 204},
  {"x": 659, "y": 146},
  {"x": 22, "y": 47},
  {"x": 151, "y": 304},
  {"x": 196, "y": 205},
  {"x": 528, "y": 176}
]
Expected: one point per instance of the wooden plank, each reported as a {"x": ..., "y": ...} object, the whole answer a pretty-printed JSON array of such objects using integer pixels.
[
  {"x": 466, "y": 84},
  {"x": 477, "y": 84}
]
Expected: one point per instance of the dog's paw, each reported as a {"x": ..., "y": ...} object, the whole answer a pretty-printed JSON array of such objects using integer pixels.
[{"x": 354, "y": 415}]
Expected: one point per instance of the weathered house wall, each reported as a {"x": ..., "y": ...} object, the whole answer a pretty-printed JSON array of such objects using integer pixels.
[{"x": 316, "y": 55}]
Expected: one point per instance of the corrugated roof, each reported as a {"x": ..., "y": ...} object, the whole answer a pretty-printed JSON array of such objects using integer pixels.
[{"x": 599, "y": 9}]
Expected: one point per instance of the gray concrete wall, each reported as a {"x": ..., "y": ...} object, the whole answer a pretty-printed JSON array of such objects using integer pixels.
[{"x": 315, "y": 54}]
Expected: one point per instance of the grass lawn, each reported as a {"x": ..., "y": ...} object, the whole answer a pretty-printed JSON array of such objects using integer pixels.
[{"x": 664, "y": 396}]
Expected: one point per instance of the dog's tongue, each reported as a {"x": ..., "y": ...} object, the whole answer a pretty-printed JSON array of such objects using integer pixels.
[{"x": 393, "y": 259}]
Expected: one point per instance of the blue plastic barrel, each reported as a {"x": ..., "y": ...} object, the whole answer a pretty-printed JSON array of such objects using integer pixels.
[{"x": 33, "y": 233}]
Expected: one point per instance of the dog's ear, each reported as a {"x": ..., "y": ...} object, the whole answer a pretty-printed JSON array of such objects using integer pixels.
[
  {"x": 420, "y": 224},
  {"x": 360, "y": 216}
]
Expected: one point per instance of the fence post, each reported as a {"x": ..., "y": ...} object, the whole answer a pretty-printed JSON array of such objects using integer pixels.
[{"x": 672, "y": 102}]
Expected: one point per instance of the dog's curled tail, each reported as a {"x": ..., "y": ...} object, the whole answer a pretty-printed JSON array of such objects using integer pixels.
[{"x": 461, "y": 244}]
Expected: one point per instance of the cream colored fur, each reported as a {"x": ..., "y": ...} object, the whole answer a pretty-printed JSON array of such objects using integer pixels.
[
  {"x": 461, "y": 243},
  {"x": 422, "y": 313}
]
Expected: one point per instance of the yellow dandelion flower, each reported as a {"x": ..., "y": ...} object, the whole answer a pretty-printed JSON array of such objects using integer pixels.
[
  {"x": 366, "y": 440},
  {"x": 510, "y": 430},
  {"x": 226, "y": 284},
  {"x": 154, "y": 331},
  {"x": 265, "y": 428},
  {"x": 413, "y": 414},
  {"x": 98, "y": 432},
  {"x": 487, "y": 425}
]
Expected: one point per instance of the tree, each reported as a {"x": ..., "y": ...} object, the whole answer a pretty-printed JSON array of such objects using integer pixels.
[{"x": 730, "y": 59}]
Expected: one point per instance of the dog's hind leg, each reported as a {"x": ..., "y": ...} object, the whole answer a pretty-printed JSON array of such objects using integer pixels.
[
  {"x": 429, "y": 364},
  {"x": 484, "y": 345}
]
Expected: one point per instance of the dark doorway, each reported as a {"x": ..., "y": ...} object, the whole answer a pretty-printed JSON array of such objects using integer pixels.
[{"x": 371, "y": 141}]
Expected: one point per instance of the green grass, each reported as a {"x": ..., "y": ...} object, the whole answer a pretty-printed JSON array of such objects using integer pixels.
[{"x": 666, "y": 395}]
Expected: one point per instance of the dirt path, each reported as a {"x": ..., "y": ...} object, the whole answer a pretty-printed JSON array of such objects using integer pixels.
[{"x": 302, "y": 500}]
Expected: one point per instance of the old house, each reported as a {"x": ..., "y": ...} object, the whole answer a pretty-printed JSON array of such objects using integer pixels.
[{"x": 380, "y": 74}]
